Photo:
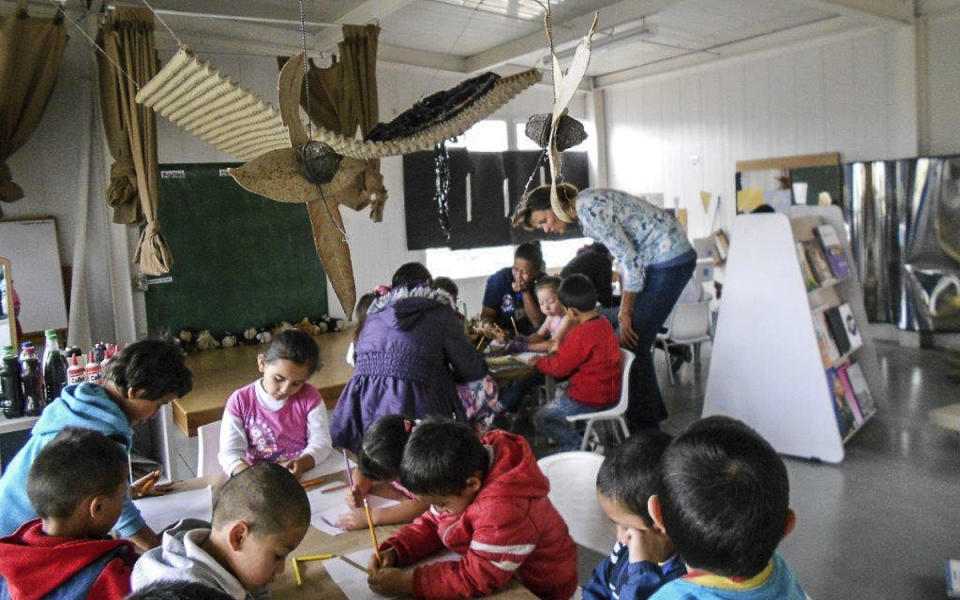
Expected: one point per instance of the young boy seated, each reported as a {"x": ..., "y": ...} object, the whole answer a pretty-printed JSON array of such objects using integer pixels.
[
  {"x": 589, "y": 355},
  {"x": 140, "y": 379},
  {"x": 259, "y": 516},
  {"x": 77, "y": 485},
  {"x": 488, "y": 504},
  {"x": 643, "y": 558},
  {"x": 724, "y": 502}
]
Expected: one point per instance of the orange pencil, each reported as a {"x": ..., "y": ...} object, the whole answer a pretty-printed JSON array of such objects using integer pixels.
[
  {"x": 373, "y": 534},
  {"x": 150, "y": 483},
  {"x": 309, "y": 483}
]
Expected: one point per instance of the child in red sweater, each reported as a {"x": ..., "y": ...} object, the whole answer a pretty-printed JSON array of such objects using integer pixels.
[
  {"x": 489, "y": 505},
  {"x": 589, "y": 355},
  {"x": 77, "y": 485}
]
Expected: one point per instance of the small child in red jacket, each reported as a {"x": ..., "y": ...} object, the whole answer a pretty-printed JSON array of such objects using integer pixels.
[
  {"x": 77, "y": 485},
  {"x": 489, "y": 505},
  {"x": 589, "y": 355}
]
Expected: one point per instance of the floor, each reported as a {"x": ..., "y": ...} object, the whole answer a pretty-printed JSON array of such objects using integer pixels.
[{"x": 878, "y": 525}]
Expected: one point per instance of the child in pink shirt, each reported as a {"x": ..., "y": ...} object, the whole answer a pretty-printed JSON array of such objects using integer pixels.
[{"x": 280, "y": 417}]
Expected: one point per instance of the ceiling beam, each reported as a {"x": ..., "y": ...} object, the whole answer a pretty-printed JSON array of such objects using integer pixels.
[
  {"x": 566, "y": 31},
  {"x": 360, "y": 13},
  {"x": 885, "y": 12}
]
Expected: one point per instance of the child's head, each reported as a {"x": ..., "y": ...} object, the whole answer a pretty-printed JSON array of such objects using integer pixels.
[
  {"x": 381, "y": 451},
  {"x": 363, "y": 305},
  {"x": 410, "y": 275},
  {"x": 78, "y": 482},
  {"x": 546, "y": 288},
  {"x": 178, "y": 590},
  {"x": 445, "y": 464},
  {"x": 577, "y": 293},
  {"x": 527, "y": 262},
  {"x": 628, "y": 477},
  {"x": 259, "y": 516},
  {"x": 446, "y": 284},
  {"x": 147, "y": 375},
  {"x": 290, "y": 360},
  {"x": 724, "y": 498}
]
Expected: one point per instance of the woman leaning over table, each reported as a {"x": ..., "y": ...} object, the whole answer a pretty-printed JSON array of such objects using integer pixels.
[{"x": 655, "y": 260}]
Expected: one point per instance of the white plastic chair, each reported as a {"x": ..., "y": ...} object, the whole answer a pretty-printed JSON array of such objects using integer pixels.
[
  {"x": 611, "y": 414},
  {"x": 688, "y": 325},
  {"x": 208, "y": 440},
  {"x": 573, "y": 477}
]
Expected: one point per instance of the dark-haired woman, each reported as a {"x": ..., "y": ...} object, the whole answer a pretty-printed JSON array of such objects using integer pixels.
[
  {"x": 510, "y": 295},
  {"x": 655, "y": 258}
]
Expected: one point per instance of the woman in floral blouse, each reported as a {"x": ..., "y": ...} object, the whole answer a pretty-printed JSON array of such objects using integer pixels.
[{"x": 655, "y": 259}]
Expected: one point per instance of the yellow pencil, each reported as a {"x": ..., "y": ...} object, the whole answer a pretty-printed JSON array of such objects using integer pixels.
[
  {"x": 373, "y": 534},
  {"x": 314, "y": 557},
  {"x": 296, "y": 572},
  {"x": 154, "y": 477},
  {"x": 515, "y": 331}
]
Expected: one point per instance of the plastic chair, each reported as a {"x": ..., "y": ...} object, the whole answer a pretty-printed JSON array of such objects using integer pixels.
[
  {"x": 611, "y": 414},
  {"x": 573, "y": 477},
  {"x": 208, "y": 440},
  {"x": 688, "y": 325}
]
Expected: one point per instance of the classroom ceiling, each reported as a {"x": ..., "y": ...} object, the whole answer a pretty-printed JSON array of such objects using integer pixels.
[{"x": 634, "y": 38}]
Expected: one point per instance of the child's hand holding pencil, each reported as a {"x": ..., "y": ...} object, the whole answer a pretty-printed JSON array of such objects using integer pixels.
[{"x": 148, "y": 486}]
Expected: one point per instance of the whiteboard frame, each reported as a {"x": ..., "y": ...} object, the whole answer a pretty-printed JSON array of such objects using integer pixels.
[{"x": 32, "y": 246}]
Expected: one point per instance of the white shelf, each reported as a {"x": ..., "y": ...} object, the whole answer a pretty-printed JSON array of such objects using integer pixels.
[
  {"x": 18, "y": 424},
  {"x": 765, "y": 366}
]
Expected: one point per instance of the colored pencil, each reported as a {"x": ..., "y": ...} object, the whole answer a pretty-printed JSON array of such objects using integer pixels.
[
  {"x": 314, "y": 557},
  {"x": 335, "y": 488},
  {"x": 373, "y": 534},
  {"x": 515, "y": 330},
  {"x": 310, "y": 483},
  {"x": 296, "y": 572},
  {"x": 354, "y": 564},
  {"x": 346, "y": 461},
  {"x": 150, "y": 483}
]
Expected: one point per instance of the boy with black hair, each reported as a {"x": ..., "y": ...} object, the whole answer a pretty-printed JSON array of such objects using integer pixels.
[
  {"x": 589, "y": 355},
  {"x": 489, "y": 504},
  {"x": 139, "y": 380},
  {"x": 259, "y": 516},
  {"x": 643, "y": 557},
  {"x": 77, "y": 485},
  {"x": 724, "y": 501}
]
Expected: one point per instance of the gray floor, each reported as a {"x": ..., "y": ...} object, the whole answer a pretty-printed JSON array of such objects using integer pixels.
[{"x": 879, "y": 525}]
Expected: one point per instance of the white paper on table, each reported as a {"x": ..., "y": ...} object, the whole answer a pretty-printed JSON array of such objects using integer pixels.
[
  {"x": 526, "y": 357},
  {"x": 325, "y": 509},
  {"x": 353, "y": 582},
  {"x": 331, "y": 464},
  {"x": 163, "y": 511}
]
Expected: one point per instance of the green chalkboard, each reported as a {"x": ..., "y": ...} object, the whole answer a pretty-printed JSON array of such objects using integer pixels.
[{"x": 240, "y": 260}]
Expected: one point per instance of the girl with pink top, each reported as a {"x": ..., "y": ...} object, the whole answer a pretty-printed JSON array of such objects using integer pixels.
[
  {"x": 280, "y": 417},
  {"x": 555, "y": 325}
]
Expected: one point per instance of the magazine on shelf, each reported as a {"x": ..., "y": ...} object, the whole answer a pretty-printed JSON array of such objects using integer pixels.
[
  {"x": 859, "y": 385},
  {"x": 838, "y": 329},
  {"x": 833, "y": 250},
  {"x": 841, "y": 407},
  {"x": 818, "y": 262},
  {"x": 828, "y": 350},
  {"x": 849, "y": 394},
  {"x": 850, "y": 326},
  {"x": 808, "y": 279}
]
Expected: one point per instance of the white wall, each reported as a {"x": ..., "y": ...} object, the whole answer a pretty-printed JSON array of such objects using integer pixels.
[
  {"x": 683, "y": 132},
  {"x": 941, "y": 129}
]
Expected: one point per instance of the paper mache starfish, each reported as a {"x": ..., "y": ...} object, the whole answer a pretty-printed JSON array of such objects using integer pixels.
[{"x": 286, "y": 165}]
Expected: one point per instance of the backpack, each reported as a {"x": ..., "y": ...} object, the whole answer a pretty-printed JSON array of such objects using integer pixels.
[{"x": 78, "y": 586}]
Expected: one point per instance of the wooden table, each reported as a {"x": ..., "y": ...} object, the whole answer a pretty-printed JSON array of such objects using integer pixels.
[
  {"x": 316, "y": 583},
  {"x": 217, "y": 373},
  {"x": 507, "y": 374}
]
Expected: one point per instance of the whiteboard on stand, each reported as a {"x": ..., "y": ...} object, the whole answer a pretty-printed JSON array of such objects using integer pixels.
[{"x": 31, "y": 246}]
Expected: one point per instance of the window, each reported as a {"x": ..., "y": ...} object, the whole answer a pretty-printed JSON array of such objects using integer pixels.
[{"x": 485, "y": 136}]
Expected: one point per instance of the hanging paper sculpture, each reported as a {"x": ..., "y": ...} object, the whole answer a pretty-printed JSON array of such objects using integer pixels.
[{"x": 285, "y": 164}]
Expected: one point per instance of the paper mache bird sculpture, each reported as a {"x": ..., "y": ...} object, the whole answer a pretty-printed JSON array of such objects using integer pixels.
[{"x": 286, "y": 164}]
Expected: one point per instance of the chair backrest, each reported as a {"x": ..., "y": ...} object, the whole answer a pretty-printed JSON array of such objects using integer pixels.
[
  {"x": 573, "y": 477},
  {"x": 626, "y": 360},
  {"x": 208, "y": 440},
  {"x": 690, "y": 321}
]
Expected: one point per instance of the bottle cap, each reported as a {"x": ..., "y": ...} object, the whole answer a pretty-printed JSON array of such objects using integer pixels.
[
  {"x": 31, "y": 350},
  {"x": 51, "y": 333}
]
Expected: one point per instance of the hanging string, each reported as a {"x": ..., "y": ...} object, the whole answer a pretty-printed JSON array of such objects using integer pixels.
[
  {"x": 326, "y": 206},
  {"x": 306, "y": 73},
  {"x": 164, "y": 23},
  {"x": 96, "y": 46}
]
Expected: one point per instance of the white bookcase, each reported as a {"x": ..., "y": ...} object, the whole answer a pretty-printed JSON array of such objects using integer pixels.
[{"x": 766, "y": 367}]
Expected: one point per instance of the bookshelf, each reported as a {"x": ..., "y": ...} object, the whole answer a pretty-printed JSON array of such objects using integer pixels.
[{"x": 767, "y": 368}]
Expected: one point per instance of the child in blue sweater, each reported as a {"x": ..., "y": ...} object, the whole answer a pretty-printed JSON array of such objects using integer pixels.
[
  {"x": 724, "y": 501},
  {"x": 643, "y": 557},
  {"x": 142, "y": 378}
]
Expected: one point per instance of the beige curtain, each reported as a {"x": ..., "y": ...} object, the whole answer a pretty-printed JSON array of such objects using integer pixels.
[
  {"x": 343, "y": 97},
  {"x": 128, "y": 40},
  {"x": 30, "y": 53}
]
